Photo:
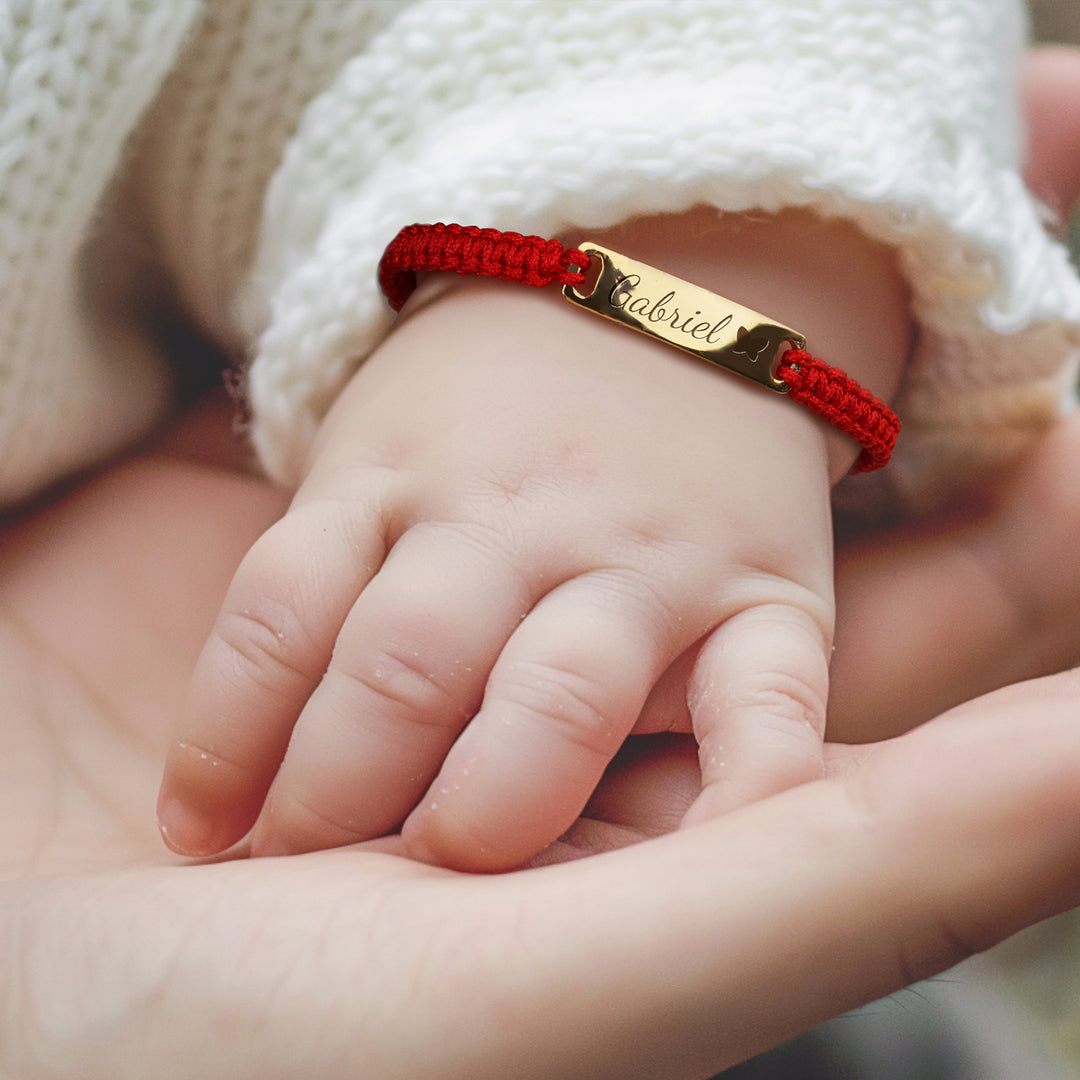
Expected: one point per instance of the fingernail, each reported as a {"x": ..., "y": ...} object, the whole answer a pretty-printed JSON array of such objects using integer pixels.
[
  {"x": 414, "y": 841},
  {"x": 272, "y": 848},
  {"x": 186, "y": 831}
]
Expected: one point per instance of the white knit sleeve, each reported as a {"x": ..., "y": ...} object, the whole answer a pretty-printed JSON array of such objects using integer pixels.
[
  {"x": 74, "y": 78},
  {"x": 544, "y": 116}
]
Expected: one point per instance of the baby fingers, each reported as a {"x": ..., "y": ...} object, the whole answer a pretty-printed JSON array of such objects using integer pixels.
[
  {"x": 264, "y": 657},
  {"x": 560, "y": 700},
  {"x": 407, "y": 673},
  {"x": 757, "y": 698}
]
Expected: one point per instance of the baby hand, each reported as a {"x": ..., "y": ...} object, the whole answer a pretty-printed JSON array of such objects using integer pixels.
[{"x": 521, "y": 529}]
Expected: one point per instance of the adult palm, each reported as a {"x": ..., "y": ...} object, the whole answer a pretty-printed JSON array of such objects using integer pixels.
[{"x": 669, "y": 958}]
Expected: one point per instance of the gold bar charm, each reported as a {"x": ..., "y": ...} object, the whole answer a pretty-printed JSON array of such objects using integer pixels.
[{"x": 684, "y": 315}]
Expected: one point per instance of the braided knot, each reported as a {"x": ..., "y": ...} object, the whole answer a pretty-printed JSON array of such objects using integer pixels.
[
  {"x": 832, "y": 395},
  {"x": 468, "y": 249}
]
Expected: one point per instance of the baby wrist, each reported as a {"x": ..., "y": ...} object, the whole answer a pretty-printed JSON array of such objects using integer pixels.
[{"x": 664, "y": 307}]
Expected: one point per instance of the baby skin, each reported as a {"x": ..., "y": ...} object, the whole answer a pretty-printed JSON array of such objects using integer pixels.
[{"x": 525, "y": 534}]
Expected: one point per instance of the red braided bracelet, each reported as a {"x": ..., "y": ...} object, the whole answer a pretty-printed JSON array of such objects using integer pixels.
[{"x": 655, "y": 303}]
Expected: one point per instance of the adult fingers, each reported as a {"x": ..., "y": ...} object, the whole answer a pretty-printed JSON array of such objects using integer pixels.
[
  {"x": 970, "y": 603},
  {"x": 1051, "y": 88}
]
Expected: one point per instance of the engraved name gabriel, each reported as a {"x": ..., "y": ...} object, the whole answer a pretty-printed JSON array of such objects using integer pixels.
[{"x": 664, "y": 311}]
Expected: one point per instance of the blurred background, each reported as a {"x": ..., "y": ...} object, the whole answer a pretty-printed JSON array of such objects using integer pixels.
[{"x": 1056, "y": 20}]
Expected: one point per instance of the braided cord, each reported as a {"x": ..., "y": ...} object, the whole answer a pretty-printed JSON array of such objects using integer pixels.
[
  {"x": 831, "y": 394},
  {"x": 468, "y": 249}
]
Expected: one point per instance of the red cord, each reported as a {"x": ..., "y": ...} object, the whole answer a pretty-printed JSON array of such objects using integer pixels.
[
  {"x": 835, "y": 397},
  {"x": 532, "y": 260},
  {"x": 468, "y": 249}
]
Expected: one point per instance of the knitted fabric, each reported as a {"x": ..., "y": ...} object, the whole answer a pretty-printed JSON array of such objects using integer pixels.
[
  {"x": 294, "y": 138},
  {"x": 467, "y": 249},
  {"x": 549, "y": 118},
  {"x": 74, "y": 77}
]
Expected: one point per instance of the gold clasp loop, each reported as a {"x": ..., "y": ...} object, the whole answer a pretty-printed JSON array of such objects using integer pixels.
[{"x": 684, "y": 315}]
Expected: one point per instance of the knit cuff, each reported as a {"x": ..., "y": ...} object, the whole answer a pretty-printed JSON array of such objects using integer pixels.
[{"x": 853, "y": 124}]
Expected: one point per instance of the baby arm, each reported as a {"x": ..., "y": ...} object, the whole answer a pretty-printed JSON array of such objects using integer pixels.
[{"x": 521, "y": 530}]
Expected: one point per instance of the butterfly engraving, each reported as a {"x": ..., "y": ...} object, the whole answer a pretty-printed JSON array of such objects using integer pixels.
[{"x": 751, "y": 345}]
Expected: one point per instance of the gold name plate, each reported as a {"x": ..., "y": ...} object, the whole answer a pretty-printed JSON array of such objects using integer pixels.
[{"x": 684, "y": 315}]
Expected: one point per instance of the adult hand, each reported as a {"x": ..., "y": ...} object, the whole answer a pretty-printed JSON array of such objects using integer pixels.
[
  {"x": 937, "y": 612},
  {"x": 119, "y": 963}
]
